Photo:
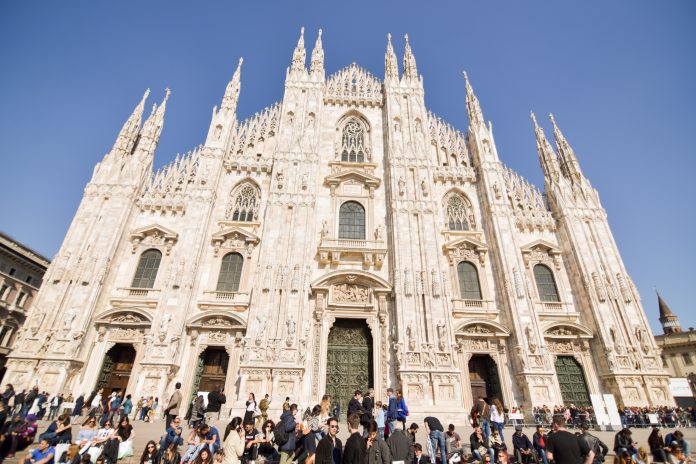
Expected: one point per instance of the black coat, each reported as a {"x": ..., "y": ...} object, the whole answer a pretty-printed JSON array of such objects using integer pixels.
[
  {"x": 354, "y": 407},
  {"x": 327, "y": 452},
  {"x": 355, "y": 451},
  {"x": 215, "y": 401}
]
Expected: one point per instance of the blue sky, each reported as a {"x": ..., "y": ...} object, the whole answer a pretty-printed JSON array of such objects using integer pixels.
[{"x": 619, "y": 77}]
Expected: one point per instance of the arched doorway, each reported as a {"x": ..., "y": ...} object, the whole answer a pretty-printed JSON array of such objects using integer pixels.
[
  {"x": 348, "y": 361},
  {"x": 211, "y": 370},
  {"x": 483, "y": 375},
  {"x": 571, "y": 380},
  {"x": 116, "y": 369}
]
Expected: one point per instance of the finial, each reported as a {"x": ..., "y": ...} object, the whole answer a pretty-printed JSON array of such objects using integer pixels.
[
  {"x": 146, "y": 94},
  {"x": 531, "y": 115},
  {"x": 302, "y": 32},
  {"x": 553, "y": 120},
  {"x": 241, "y": 60},
  {"x": 406, "y": 37},
  {"x": 389, "y": 37},
  {"x": 319, "y": 32},
  {"x": 167, "y": 92}
]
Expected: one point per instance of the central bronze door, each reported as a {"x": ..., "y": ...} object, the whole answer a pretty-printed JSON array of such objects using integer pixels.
[
  {"x": 116, "y": 369},
  {"x": 348, "y": 361},
  {"x": 571, "y": 379}
]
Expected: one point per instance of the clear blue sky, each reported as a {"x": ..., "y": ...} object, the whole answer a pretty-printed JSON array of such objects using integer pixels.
[{"x": 619, "y": 76}]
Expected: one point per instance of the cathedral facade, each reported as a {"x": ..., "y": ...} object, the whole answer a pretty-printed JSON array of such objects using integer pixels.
[{"x": 343, "y": 238}]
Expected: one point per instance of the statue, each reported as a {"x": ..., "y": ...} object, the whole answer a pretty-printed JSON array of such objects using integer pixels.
[
  {"x": 424, "y": 188},
  {"x": 260, "y": 328},
  {"x": 324, "y": 229},
  {"x": 68, "y": 319},
  {"x": 164, "y": 326},
  {"x": 291, "y": 328},
  {"x": 410, "y": 336},
  {"x": 441, "y": 335},
  {"x": 402, "y": 186},
  {"x": 305, "y": 181},
  {"x": 379, "y": 233}
]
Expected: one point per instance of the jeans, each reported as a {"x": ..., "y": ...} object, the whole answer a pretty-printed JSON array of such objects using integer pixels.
[
  {"x": 52, "y": 412},
  {"x": 391, "y": 426},
  {"x": 542, "y": 455},
  {"x": 437, "y": 437},
  {"x": 486, "y": 428},
  {"x": 499, "y": 427},
  {"x": 380, "y": 432},
  {"x": 480, "y": 458}
]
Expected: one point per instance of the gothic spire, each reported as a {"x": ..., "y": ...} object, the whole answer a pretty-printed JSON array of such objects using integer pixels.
[
  {"x": 669, "y": 321},
  {"x": 152, "y": 128},
  {"x": 316, "y": 68},
  {"x": 547, "y": 157},
  {"x": 569, "y": 163},
  {"x": 125, "y": 141},
  {"x": 231, "y": 97},
  {"x": 473, "y": 108},
  {"x": 299, "y": 56},
  {"x": 410, "y": 69},
  {"x": 391, "y": 69}
]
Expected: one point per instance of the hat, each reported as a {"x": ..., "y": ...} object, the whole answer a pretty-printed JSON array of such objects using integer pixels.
[
  {"x": 31, "y": 417},
  {"x": 518, "y": 428}
]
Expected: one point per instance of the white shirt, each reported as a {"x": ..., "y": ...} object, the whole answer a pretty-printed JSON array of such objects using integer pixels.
[{"x": 497, "y": 416}]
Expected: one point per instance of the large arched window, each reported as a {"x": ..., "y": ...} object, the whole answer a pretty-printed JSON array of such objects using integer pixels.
[
  {"x": 353, "y": 142},
  {"x": 147, "y": 269},
  {"x": 351, "y": 221},
  {"x": 469, "y": 287},
  {"x": 457, "y": 213},
  {"x": 230, "y": 273},
  {"x": 546, "y": 285},
  {"x": 245, "y": 204}
]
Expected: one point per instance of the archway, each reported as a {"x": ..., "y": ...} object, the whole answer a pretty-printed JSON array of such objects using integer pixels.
[
  {"x": 211, "y": 370},
  {"x": 571, "y": 380},
  {"x": 349, "y": 360},
  {"x": 483, "y": 375},
  {"x": 116, "y": 368}
]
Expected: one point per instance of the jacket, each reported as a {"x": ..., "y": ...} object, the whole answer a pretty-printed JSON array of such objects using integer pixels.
[
  {"x": 174, "y": 404},
  {"x": 354, "y": 407},
  {"x": 476, "y": 443},
  {"x": 391, "y": 409},
  {"x": 328, "y": 452},
  {"x": 355, "y": 451},
  {"x": 288, "y": 421},
  {"x": 215, "y": 401},
  {"x": 423, "y": 460},
  {"x": 379, "y": 452},
  {"x": 233, "y": 448},
  {"x": 536, "y": 440},
  {"x": 400, "y": 446},
  {"x": 593, "y": 443},
  {"x": 622, "y": 441},
  {"x": 521, "y": 442}
]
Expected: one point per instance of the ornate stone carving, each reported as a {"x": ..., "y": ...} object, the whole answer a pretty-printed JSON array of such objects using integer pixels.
[{"x": 350, "y": 293}]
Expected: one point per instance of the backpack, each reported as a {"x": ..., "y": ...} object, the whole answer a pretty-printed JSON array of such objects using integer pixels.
[{"x": 280, "y": 435}]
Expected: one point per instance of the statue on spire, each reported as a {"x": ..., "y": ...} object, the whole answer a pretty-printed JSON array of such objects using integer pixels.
[
  {"x": 410, "y": 69},
  {"x": 152, "y": 128},
  {"x": 473, "y": 108},
  {"x": 231, "y": 97},
  {"x": 547, "y": 157},
  {"x": 391, "y": 70},
  {"x": 125, "y": 142},
  {"x": 299, "y": 56},
  {"x": 317, "y": 65},
  {"x": 569, "y": 163}
]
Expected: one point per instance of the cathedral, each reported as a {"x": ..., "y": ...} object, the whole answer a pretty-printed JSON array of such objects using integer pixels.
[{"x": 342, "y": 238}]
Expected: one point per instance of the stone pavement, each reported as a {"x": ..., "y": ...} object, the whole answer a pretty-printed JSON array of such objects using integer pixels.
[{"x": 145, "y": 431}]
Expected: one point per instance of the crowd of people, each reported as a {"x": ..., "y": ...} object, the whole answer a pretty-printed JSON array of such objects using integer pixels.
[
  {"x": 663, "y": 416},
  {"x": 378, "y": 432}
]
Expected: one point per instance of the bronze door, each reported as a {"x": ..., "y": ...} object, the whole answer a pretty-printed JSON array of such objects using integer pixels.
[
  {"x": 571, "y": 379},
  {"x": 116, "y": 369},
  {"x": 349, "y": 361},
  {"x": 483, "y": 376},
  {"x": 212, "y": 370}
]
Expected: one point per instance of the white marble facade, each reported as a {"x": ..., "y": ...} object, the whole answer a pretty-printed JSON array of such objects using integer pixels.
[{"x": 270, "y": 188}]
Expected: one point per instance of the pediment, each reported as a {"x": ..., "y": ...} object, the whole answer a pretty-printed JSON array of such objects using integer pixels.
[
  {"x": 216, "y": 320},
  {"x": 354, "y": 175},
  {"x": 566, "y": 330},
  {"x": 234, "y": 238},
  {"x": 125, "y": 317},
  {"x": 541, "y": 251},
  {"x": 467, "y": 248},
  {"x": 154, "y": 235},
  {"x": 541, "y": 245},
  {"x": 482, "y": 328}
]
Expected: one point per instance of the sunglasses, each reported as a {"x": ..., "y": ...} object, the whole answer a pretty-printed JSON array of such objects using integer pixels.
[{"x": 334, "y": 426}]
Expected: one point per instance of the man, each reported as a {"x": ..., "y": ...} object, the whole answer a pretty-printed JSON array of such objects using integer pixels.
[
  {"x": 330, "y": 448},
  {"x": 44, "y": 454},
  {"x": 355, "y": 451},
  {"x": 355, "y": 407},
  {"x": 677, "y": 439},
  {"x": 436, "y": 433},
  {"x": 377, "y": 449},
  {"x": 53, "y": 409},
  {"x": 172, "y": 409},
  {"x": 539, "y": 442},
  {"x": 250, "y": 448},
  {"x": 211, "y": 437},
  {"x": 173, "y": 436},
  {"x": 287, "y": 451},
  {"x": 593, "y": 443},
  {"x": 216, "y": 399},
  {"x": 563, "y": 447},
  {"x": 264, "y": 404},
  {"x": 286, "y": 404},
  {"x": 412, "y": 432},
  {"x": 480, "y": 445},
  {"x": 418, "y": 457},
  {"x": 368, "y": 405},
  {"x": 392, "y": 410},
  {"x": 400, "y": 446},
  {"x": 29, "y": 399},
  {"x": 522, "y": 446},
  {"x": 482, "y": 411},
  {"x": 95, "y": 403}
]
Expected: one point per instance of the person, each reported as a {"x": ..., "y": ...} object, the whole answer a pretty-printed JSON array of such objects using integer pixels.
[
  {"x": 502, "y": 457},
  {"x": 643, "y": 457},
  {"x": 71, "y": 455},
  {"x": 7, "y": 394},
  {"x": 495, "y": 442},
  {"x": 355, "y": 407},
  {"x": 216, "y": 399},
  {"x": 479, "y": 445},
  {"x": 250, "y": 410},
  {"x": 391, "y": 411},
  {"x": 368, "y": 405},
  {"x": 150, "y": 455},
  {"x": 539, "y": 442},
  {"x": 380, "y": 416},
  {"x": 153, "y": 410},
  {"x": 657, "y": 445},
  {"x": 124, "y": 436},
  {"x": 87, "y": 432},
  {"x": 233, "y": 445},
  {"x": 20, "y": 434},
  {"x": 593, "y": 443},
  {"x": 498, "y": 417},
  {"x": 377, "y": 450},
  {"x": 127, "y": 405},
  {"x": 44, "y": 454},
  {"x": 204, "y": 457},
  {"x": 211, "y": 438},
  {"x": 264, "y": 404},
  {"x": 250, "y": 444},
  {"x": 79, "y": 405},
  {"x": 677, "y": 439},
  {"x": 219, "y": 457},
  {"x": 53, "y": 408},
  {"x": 677, "y": 456},
  {"x": 58, "y": 431},
  {"x": 171, "y": 455},
  {"x": 522, "y": 446},
  {"x": 624, "y": 442},
  {"x": 265, "y": 442},
  {"x": 330, "y": 448},
  {"x": 401, "y": 409},
  {"x": 355, "y": 451},
  {"x": 287, "y": 450},
  {"x": 172, "y": 409},
  {"x": 173, "y": 435},
  {"x": 453, "y": 443},
  {"x": 197, "y": 412},
  {"x": 400, "y": 445},
  {"x": 418, "y": 456},
  {"x": 563, "y": 447},
  {"x": 436, "y": 434},
  {"x": 481, "y": 414},
  {"x": 286, "y": 404}
]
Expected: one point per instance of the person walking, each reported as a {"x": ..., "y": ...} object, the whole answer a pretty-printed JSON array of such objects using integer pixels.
[
  {"x": 391, "y": 411},
  {"x": 289, "y": 424},
  {"x": 172, "y": 409},
  {"x": 264, "y": 404},
  {"x": 593, "y": 443},
  {"x": 250, "y": 409},
  {"x": 216, "y": 399},
  {"x": 498, "y": 417},
  {"x": 481, "y": 412},
  {"x": 563, "y": 447},
  {"x": 355, "y": 451}
]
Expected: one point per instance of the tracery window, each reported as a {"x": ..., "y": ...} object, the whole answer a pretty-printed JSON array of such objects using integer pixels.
[
  {"x": 230, "y": 273},
  {"x": 146, "y": 272},
  {"x": 351, "y": 221},
  {"x": 546, "y": 285},
  {"x": 245, "y": 205},
  {"x": 469, "y": 286},
  {"x": 457, "y": 213},
  {"x": 353, "y": 142}
]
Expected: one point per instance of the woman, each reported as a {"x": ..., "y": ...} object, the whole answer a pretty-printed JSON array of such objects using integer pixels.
[
  {"x": 153, "y": 410},
  {"x": 314, "y": 422},
  {"x": 495, "y": 441},
  {"x": 71, "y": 456},
  {"x": 204, "y": 457},
  {"x": 643, "y": 457},
  {"x": 498, "y": 417},
  {"x": 266, "y": 444},
  {"x": 150, "y": 455},
  {"x": 250, "y": 409},
  {"x": 197, "y": 411},
  {"x": 88, "y": 431},
  {"x": 124, "y": 434},
  {"x": 401, "y": 409},
  {"x": 171, "y": 455},
  {"x": 193, "y": 442},
  {"x": 58, "y": 431},
  {"x": 325, "y": 412},
  {"x": 657, "y": 445},
  {"x": 233, "y": 444},
  {"x": 127, "y": 405},
  {"x": 79, "y": 405}
]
